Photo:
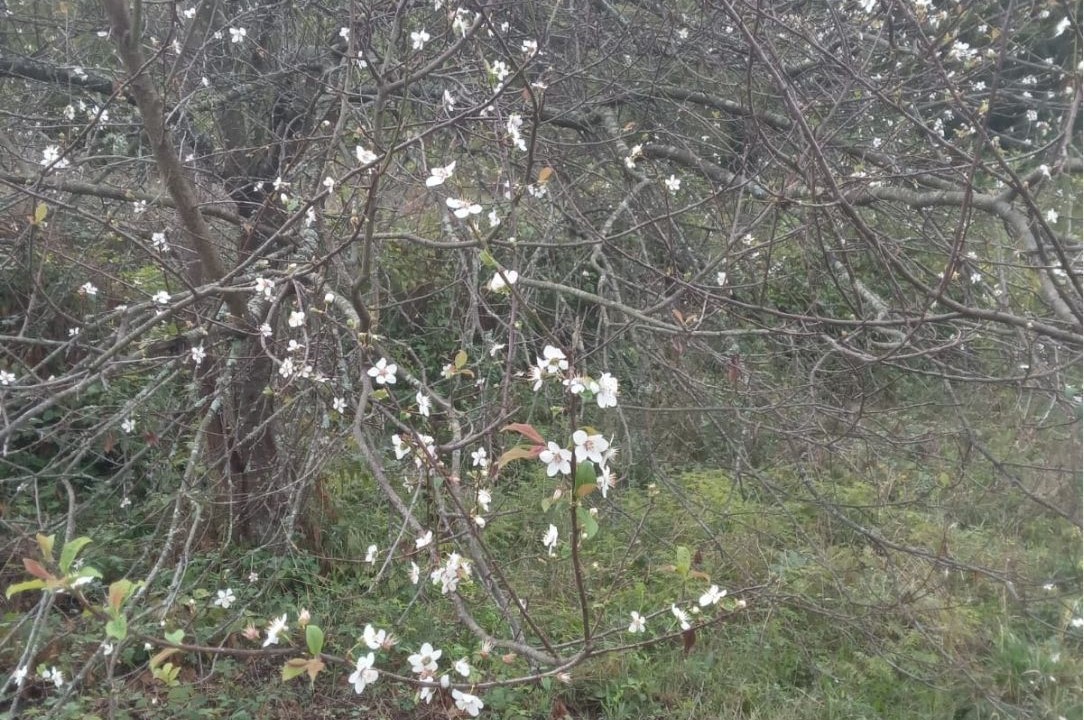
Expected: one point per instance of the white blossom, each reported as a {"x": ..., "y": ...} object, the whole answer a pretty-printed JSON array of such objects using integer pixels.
[
  {"x": 549, "y": 540},
  {"x": 462, "y": 208},
  {"x": 470, "y": 704},
  {"x": 418, "y": 39},
  {"x": 500, "y": 70},
  {"x": 51, "y": 156},
  {"x": 277, "y": 626},
  {"x": 224, "y": 599},
  {"x": 438, "y": 175},
  {"x": 364, "y": 673},
  {"x": 365, "y": 156},
  {"x": 712, "y": 596}
]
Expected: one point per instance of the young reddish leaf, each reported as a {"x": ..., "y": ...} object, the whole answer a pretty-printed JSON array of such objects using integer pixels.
[
  {"x": 526, "y": 431},
  {"x": 519, "y": 452},
  {"x": 35, "y": 568},
  {"x": 688, "y": 639},
  {"x": 586, "y": 489},
  {"x": 559, "y": 711},
  {"x": 118, "y": 591},
  {"x": 313, "y": 667}
]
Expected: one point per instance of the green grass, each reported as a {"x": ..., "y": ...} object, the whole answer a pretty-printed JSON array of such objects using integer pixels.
[{"x": 838, "y": 625}]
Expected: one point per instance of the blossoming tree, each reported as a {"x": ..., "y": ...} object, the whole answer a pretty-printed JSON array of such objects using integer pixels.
[{"x": 452, "y": 244}]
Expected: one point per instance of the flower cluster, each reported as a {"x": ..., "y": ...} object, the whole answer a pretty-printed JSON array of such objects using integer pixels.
[
  {"x": 421, "y": 446},
  {"x": 515, "y": 122},
  {"x": 554, "y": 363},
  {"x": 448, "y": 576}
]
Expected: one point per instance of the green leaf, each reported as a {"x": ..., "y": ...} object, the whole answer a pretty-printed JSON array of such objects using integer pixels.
[
  {"x": 45, "y": 544},
  {"x": 117, "y": 627},
  {"x": 24, "y": 586},
  {"x": 314, "y": 638},
  {"x": 460, "y": 360},
  {"x": 175, "y": 637},
  {"x": 585, "y": 478},
  {"x": 71, "y": 549},
  {"x": 488, "y": 260},
  {"x": 40, "y": 212},
  {"x": 587, "y": 522},
  {"x": 167, "y": 673},
  {"x": 684, "y": 561},
  {"x": 73, "y": 581},
  {"x": 293, "y": 668}
]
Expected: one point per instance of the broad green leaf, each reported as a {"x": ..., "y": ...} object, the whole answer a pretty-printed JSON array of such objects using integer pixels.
[
  {"x": 488, "y": 260},
  {"x": 24, "y": 586},
  {"x": 587, "y": 522},
  {"x": 460, "y": 359},
  {"x": 167, "y": 673},
  {"x": 585, "y": 478},
  {"x": 40, "y": 212},
  {"x": 314, "y": 638},
  {"x": 71, "y": 549},
  {"x": 117, "y": 627},
  {"x": 175, "y": 636},
  {"x": 80, "y": 578},
  {"x": 684, "y": 561}
]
